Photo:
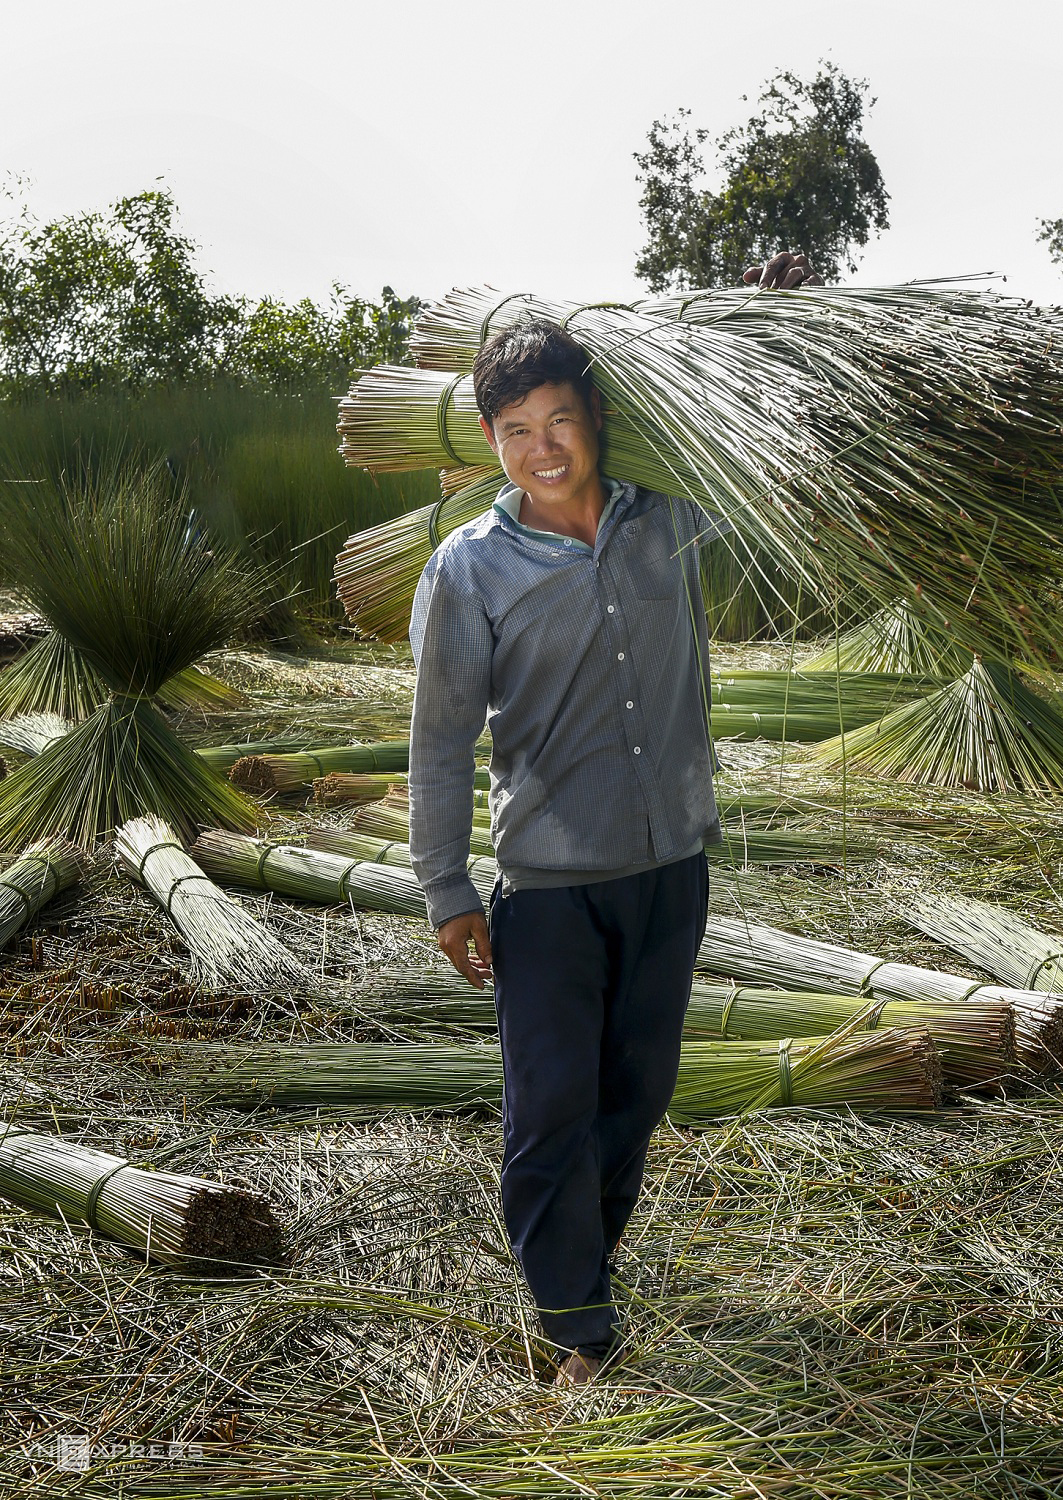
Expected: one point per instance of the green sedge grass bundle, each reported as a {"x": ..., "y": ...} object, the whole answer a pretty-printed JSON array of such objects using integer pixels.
[
  {"x": 995, "y": 939},
  {"x": 52, "y": 677},
  {"x": 915, "y": 457},
  {"x": 377, "y": 570},
  {"x": 222, "y": 758},
  {"x": 29, "y": 882},
  {"x": 894, "y": 639},
  {"x": 297, "y": 770},
  {"x": 191, "y": 1223},
  {"x": 986, "y": 731},
  {"x": 342, "y": 788},
  {"x": 377, "y": 851},
  {"x": 110, "y": 565},
  {"x": 891, "y": 1069},
  {"x": 230, "y": 948},
  {"x": 751, "y": 953},
  {"x": 308, "y": 875}
]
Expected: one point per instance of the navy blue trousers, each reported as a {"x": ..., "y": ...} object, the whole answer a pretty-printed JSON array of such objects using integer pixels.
[{"x": 591, "y": 985}]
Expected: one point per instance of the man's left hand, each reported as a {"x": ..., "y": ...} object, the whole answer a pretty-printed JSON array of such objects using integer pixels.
[{"x": 784, "y": 272}]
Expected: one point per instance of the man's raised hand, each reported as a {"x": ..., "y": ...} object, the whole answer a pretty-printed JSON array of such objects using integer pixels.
[
  {"x": 454, "y": 938},
  {"x": 784, "y": 272}
]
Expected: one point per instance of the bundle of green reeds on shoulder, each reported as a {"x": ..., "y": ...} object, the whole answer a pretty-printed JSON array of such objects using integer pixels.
[
  {"x": 191, "y": 1223},
  {"x": 922, "y": 420},
  {"x": 985, "y": 731},
  {"x": 110, "y": 565},
  {"x": 296, "y": 771},
  {"x": 29, "y": 882},
  {"x": 230, "y": 948}
]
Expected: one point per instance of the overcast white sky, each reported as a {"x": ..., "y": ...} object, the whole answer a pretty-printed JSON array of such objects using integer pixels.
[{"x": 434, "y": 144}]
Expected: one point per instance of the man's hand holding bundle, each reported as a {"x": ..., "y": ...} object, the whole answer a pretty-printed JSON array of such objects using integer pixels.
[{"x": 785, "y": 272}]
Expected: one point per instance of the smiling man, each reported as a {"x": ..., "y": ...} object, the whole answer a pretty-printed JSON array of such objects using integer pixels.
[{"x": 568, "y": 617}]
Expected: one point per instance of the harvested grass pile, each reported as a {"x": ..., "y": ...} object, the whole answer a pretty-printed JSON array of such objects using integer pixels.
[
  {"x": 41, "y": 872},
  {"x": 199, "y": 1226}
]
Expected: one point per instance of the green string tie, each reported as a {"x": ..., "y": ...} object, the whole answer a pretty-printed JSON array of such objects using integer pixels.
[
  {"x": 95, "y": 1191},
  {"x": 728, "y": 1006},
  {"x": 29, "y": 901},
  {"x": 486, "y": 324},
  {"x": 441, "y": 418},
  {"x": 433, "y": 521},
  {"x": 153, "y": 849},
  {"x": 181, "y": 879},
  {"x": 260, "y": 867},
  {"x": 1042, "y": 963},
  {"x": 864, "y": 983},
  {"x": 786, "y": 1077}
]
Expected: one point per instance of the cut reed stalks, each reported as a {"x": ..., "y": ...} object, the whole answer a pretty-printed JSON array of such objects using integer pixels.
[
  {"x": 230, "y": 948},
  {"x": 997, "y": 940},
  {"x": 380, "y": 851},
  {"x": 347, "y": 787},
  {"x": 32, "y": 733},
  {"x": 191, "y": 1223},
  {"x": 986, "y": 732},
  {"x": 749, "y": 953},
  {"x": 926, "y": 423},
  {"x": 43, "y": 870},
  {"x": 894, "y": 639},
  {"x": 297, "y": 770}
]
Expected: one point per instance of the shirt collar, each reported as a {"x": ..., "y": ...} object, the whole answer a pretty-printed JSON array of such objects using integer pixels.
[{"x": 509, "y": 498}]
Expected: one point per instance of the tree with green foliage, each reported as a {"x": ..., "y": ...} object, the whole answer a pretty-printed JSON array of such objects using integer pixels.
[
  {"x": 1051, "y": 232},
  {"x": 114, "y": 297},
  {"x": 798, "y": 173}
]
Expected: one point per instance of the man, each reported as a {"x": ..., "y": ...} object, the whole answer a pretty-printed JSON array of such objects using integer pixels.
[{"x": 565, "y": 617}]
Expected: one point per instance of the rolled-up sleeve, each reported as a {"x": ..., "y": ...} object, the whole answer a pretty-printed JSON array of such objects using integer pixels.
[{"x": 452, "y": 645}]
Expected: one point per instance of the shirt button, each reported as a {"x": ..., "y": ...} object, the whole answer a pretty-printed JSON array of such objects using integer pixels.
[
  {"x": 568, "y": 541},
  {"x": 630, "y": 704},
  {"x": 610, "y": 608},
  {"x": 620, "y": 656},
  {"x": 638, "y": 749}
]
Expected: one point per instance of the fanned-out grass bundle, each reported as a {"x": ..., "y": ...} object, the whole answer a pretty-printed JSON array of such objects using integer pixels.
[
  {"x": 893, "y": 639},
  {"x": 32, "y": 733},
  {"x": 997, "y": 940},
  {"x": 43, "y": 870},
  {"x": 752, "y": 953},
  {"x": 230, "y": 948},
  {"x": 191, "y": 1223},
  {"x": 915, "y": 458},
  {"x": 309, "y": 875},
  {"x": 111, "y": 567},
  {"x": 52, "y": 677},
  {"x": 296, "y": 771},
  {"x": 986, "y": 731},
  {"x": 891, "y": 1069},
  {"x": 376, "y": 573}
]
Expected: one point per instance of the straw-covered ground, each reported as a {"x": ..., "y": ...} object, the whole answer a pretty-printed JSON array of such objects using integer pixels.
[{"x": 816, "y": 1304}]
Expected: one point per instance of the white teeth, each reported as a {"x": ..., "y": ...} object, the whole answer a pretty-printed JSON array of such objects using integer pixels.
[{"x": 550, "y": 473}]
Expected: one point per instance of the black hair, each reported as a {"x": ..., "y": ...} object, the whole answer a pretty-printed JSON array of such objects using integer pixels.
[{"x": 532, "y": 352}]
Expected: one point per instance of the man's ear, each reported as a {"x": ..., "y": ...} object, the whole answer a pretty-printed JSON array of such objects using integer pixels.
[{"x": 488, "y": 429}]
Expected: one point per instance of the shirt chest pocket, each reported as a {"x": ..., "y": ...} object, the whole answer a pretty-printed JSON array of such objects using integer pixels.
[{"x": 651, "y": 556}]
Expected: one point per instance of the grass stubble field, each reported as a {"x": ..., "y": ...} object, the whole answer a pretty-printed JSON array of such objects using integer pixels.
[{"x": 816, "y": 1303}]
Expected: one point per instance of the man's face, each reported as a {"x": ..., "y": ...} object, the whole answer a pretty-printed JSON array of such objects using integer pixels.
[{"x": 548, "y": 443}]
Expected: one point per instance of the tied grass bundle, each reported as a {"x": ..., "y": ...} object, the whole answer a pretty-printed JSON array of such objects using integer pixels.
[
  {"x": 110, "y": 565},
  {"x": 346, "y": 787},
  {"x": 41, "y": 872},
  {"x": 230, "y": 948},
  {"x": 755, "y": 954},
  {"x": 189, "y": 1222},
  {"x": 892, "y": 1069},
  {"x": 995, "y": 939},
  {"x": 222, "y": 758},
  {"x": 986, "y": 732},
  {"x": 377, "y": 570},
  {"x": 378, "y": 851},
  {"x": 916, "y": 456},
  {"x": 894, "y": 639},
  {"x": 32, "y": 733},
  {"x": 309, "y": 874},
  {"x": 296, "y": 771},
  {"x": 52, "y": 677}
]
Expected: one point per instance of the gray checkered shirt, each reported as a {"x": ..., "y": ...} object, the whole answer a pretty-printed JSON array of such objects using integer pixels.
[{"x": 593, "y": 682}]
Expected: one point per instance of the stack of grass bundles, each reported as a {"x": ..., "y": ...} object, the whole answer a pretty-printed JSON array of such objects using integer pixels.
[
  {"x": 986, "y": 732},
  {"x": 296, "y": 771},
  {"x": 894, "y": 639},
  {"x": 376, "y": 573},
  {"x": 230, "y": 948},
  {"x": 759, "y": 955},
  {"x": 199, "y": 1226},
  {"x": 801, "y": 706},
  {"x": 992, "y": 937},
  {"x": 111, "y": 567},
  {"x": 390, "y": 820},
  {"x": 377, "y": 851},
  {"x": 30, "y": 882},
  {"x": 905, "y": 400},
  {"x": 53, "y": 677},
  {"x": 892, "y": 1069}
]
